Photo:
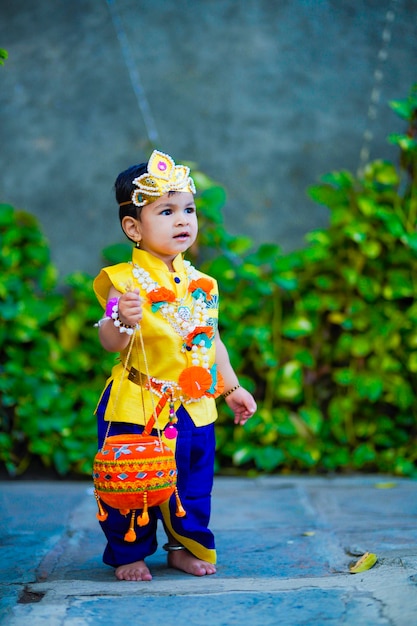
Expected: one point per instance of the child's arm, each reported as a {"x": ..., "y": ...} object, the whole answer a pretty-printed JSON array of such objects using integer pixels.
[
  {"x": 130, "y": 313},
  {"x": 239, "y": 400}
]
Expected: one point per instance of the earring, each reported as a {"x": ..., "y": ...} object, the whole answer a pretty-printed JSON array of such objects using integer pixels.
[{"x": 138, "y": 244}]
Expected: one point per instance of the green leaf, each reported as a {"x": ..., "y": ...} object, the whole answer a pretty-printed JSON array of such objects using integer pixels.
[
  {"x": 363, "y": 455},
  {"x": 412, "y": 362},
  {"x": 266, "y": 253},
  {"x": 369, "y": 288},
  {"x": 399, "y": 285},
  {"x": 372, "y": 249},
  {"x": 343, "y": 376},
  {"x": 118, "y": 253},
  {"x": 357, "y": 231},
  {"x": 243, "y": 455},
  {"x": 240, "y": 245},
  {"x": 290, "y": 385},
  {"x": 340, "y": 407},
  {"x": 305, "y": 357},
  {"x": 342, "y": 179},
  {"x": 369, "y": 386},
  {"x": 410, "y": 240},
  {"x": 211, "y": 201},
  {"x": 321, "y": 237},
  {"x": 382, "y": 172},
  {"x": 283, "y": 422},
  {"x": 328, "y": 195},
  {"x": 361, "y": 346},
  {"x": 367, "y": 206},
  {"x": 404, "y": 108},
  {"x": 312, "y": 417},
  {"x": 406, "y": 143},
  {"x": 295, "y": 327},
  {"x": 269, "y": 458},
  {"x": 287, "y": 281},
  {"x": 400, "y": 392},
  {"x": 6, "y": 215}
]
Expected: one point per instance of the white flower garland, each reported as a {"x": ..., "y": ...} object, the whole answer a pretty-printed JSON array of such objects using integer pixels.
[{"x": 180, "y": 317}]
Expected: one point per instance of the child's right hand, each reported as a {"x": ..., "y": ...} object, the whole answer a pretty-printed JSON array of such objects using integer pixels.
[{"x": 130, "y": 308}]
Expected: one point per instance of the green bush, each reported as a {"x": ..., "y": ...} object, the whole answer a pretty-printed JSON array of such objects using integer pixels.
[
  {"x": 29, "y": 308},
  {"x": 51, "y": 363},
  {"x": 325, "y": 337}
]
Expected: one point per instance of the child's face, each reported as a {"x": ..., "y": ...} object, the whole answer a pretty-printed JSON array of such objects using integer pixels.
[{"x": 168, "y": 225}]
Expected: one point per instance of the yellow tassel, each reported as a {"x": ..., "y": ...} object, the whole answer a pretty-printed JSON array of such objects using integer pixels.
[
  {"x": 102, "y": 515},
  {"x": 144, "y": 518},
  {"x": 131, "y": 535},
  {"x": 180, "y": 512}
]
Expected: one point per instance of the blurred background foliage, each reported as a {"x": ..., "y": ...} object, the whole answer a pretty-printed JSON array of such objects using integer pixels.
[{"x": 325, "y": 337}]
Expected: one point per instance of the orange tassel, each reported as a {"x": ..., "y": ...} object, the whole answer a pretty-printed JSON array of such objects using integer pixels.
[
  {"x": 102, "y": 515},
  {"x": 180, "y": 512},
  {"x": 144, "y": 518},
  {"x": 130, "y": 536}
]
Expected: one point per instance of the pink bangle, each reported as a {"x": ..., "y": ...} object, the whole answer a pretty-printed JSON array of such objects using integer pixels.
[{"x": 112, "y": 308}]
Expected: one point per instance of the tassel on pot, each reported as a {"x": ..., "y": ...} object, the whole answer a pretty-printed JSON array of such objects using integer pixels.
[
  {"x": 130, "y": 536},
  {"x": 144, "y": 518},
  {"x": 180, "y": 512},
  {"x": 102, "y": 515}
]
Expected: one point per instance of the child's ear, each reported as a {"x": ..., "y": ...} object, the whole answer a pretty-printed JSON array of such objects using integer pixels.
[{"x": 131, "y": 227}]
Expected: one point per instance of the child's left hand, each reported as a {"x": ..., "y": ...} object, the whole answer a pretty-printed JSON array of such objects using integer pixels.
[{"x": 242, "y": 404}]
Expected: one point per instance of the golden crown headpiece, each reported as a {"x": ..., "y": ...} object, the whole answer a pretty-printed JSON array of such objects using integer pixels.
[{"x": 162, "y": 176}]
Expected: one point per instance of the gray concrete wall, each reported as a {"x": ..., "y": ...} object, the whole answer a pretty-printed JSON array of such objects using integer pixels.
[{"x": 264, "y": 95}]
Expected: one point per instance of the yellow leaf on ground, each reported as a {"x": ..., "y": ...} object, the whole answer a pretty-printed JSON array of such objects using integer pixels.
[
  {"x": 366, "y": 561},
  {"x": 387, "y": 485}
]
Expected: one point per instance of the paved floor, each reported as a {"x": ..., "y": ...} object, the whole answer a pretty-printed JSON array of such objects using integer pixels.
[{"x": 284, "y": 544}]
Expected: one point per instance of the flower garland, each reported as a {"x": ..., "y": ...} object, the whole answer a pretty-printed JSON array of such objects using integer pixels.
[{"x": 191, "y": 323}]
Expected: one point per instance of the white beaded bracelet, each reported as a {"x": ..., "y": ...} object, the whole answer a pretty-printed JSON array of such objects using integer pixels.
[
  {"x": 124, "y": 328},
  {"x": 112, "y": 313}
]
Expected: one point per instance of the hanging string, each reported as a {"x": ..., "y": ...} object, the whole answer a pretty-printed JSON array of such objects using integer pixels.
[
  {"x": 119, "y": 388},
  {"x": 134, "y": 76},
  {"x": 375, "y": 96},
  {"x": 155, "y": 409}
]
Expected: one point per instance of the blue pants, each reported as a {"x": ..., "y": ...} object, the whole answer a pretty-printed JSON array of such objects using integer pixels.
[{"x": 194, "y": 455}]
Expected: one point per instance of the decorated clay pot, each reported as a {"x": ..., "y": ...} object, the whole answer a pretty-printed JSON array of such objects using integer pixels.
[{"x": 134, "y": 472}]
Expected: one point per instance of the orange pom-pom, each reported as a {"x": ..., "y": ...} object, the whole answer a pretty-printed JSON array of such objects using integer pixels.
[
  {"x": 205, "y": 284},
  {"x": 195, "y": 381},
  {"x": 130, "y": 536},
  {"x": 144, "y": 518},
  {"x": 180, "y": 512},
  {"x": 102, "y": 514},
  {"x": 161, "y": 294},
  {"x": 199, "y": 330}
]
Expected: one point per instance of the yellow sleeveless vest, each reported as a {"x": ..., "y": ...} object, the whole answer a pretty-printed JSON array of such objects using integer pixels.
[{"x": 169, "y": 349}]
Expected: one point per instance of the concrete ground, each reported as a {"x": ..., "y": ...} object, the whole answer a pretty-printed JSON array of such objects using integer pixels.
[{"x": 284, "y": 544}]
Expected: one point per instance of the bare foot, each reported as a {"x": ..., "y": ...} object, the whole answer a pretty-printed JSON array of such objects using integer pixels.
[
  {"x": 133, "y": 571},
  {"x": 187, "y": 562}
]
